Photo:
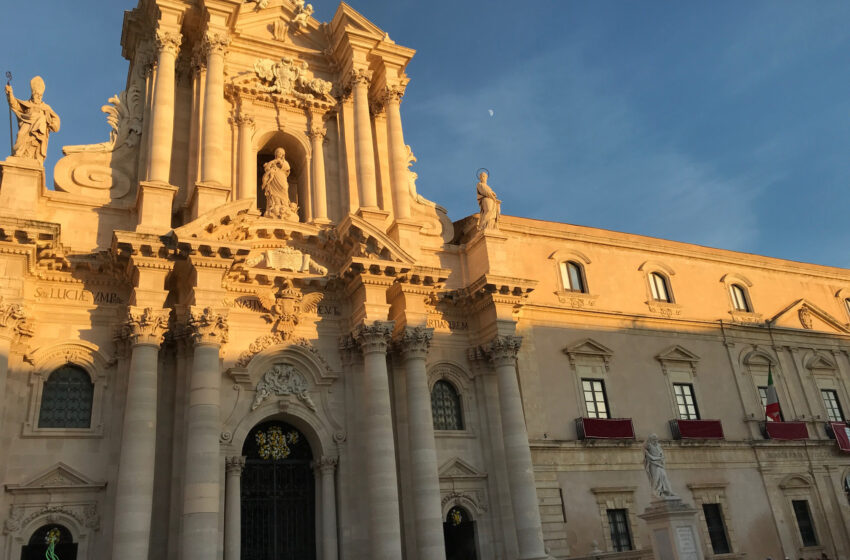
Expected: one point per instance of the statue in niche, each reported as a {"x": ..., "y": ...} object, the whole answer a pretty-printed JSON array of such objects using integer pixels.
[
  {"x": 276, "y": 188},
  {"x": 490, "y": 205},
  {"x": 653, "y": 462},
  {"x": 36, "y": 120}
]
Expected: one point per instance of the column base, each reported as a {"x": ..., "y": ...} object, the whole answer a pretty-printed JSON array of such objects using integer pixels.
[
  {"x": 20, "y": 186},
  {"x": 207, "y": 196},
  {"x": 153, "y": 206},
  {"x": 374, "y": 216}
]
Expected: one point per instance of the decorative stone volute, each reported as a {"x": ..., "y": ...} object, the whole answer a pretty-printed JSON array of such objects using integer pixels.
[
  {"x": 415, "y": 341},
  {"x": 208, "y": 325},
  {"x": 375, "y": 337},
  {"x": 503, "y": 350},
  {"x": 146, "y": 325},
  {"x": 234, "y": 465},
  {"x": 168, "y": 41},
  {"x": 13, "y": 321}
]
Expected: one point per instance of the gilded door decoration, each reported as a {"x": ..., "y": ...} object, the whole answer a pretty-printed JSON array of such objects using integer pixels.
[
  {"x": 283, "y": 380},
  {"x": 274, "y": 444}
]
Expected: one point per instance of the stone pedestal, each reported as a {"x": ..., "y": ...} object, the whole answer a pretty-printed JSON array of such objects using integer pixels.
[
  {"x": 153, "y": 206},
  {"x": 207, "y": 197},
  {"x": 673, "y": 528},
  {"x": 21, "y": 184},
  {"x": 487, "y": 254}
]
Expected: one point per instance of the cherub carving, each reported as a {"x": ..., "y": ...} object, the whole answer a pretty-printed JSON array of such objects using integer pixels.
[{"x": 302, "y": 12}]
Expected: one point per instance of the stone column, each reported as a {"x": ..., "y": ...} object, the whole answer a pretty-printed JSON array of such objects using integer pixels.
[
  {"x": 327, "y": 468},
  {"x": 215, "y": 112},
  {"x": 233, "y": 467},
  {"x": 162, "y": 128},
  {"x": 381, "y": 476},
  {"x": 398, "y": 154},
  {"x": 427, "y": 511},
  {"x": 134, "y": 487},
  {"x": 247, "y": 187},
  {"x": 320, "y": 197},
  {"x": 502, "y": 352},
  {"x": 13, "y": 324},
  {"x": 203, "y": 423},
  {"x": 363, "y": 139}
]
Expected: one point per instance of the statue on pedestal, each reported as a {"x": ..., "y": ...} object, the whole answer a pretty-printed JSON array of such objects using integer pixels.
[
  {"x": 36, "y": 120},
  {"x": 276, "y": 188},
  {"x": 653, "y": 462},
  {"x": 489, "y": 204}
]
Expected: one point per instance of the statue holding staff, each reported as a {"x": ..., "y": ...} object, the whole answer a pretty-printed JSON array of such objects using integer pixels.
[{"x": 36, "y": 120}]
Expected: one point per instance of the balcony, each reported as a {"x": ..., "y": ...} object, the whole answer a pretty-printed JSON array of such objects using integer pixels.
[
  {"x": 605, "y": 428},
  {"x": 786, "y": 431},
  {"x": 840, "y": 432},
  {"x": 696, "y": 429}
]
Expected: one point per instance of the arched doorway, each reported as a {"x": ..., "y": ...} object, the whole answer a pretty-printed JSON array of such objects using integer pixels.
[
  {"x": 278, "y": 495},
  {"x": 459, "y": 534},
  {"x": 36, "y": 549}
]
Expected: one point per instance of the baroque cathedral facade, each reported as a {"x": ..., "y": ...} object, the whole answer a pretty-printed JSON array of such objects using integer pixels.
[{"x": 235, "y": 330}]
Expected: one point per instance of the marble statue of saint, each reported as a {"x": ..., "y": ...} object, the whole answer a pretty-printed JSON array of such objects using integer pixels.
[
  {"x": 276, "y": 188},
  {"x": 36, "y": 120},
  {"x": 488, "y": 203},
  {"x": 653, "y": 462}
]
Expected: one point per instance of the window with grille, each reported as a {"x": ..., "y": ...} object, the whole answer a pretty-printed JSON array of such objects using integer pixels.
[
  {"x": 763, "y": 399},
  {"x": 833, "y": 407},
  {"x": 66, "y": 399},
  {"x": 659, "y": 287},
  {"x": 804, "y": 522},
  {"x": 572, "y": 275},
  {"x": 445, "y": 407},
  {"x": 739, "y": 298},
  {"x": 716, "y": 528},
  {"x": 595, "y": 399},
  {"x": 621, "y": 537},
  {"x": 685, "y": 401}
]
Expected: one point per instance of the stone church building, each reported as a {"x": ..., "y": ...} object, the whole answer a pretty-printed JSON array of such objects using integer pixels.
[{"x": 234, "y": 330}]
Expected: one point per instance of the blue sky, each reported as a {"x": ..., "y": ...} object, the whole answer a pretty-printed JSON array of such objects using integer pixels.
[{"x": 720, "y": 123}]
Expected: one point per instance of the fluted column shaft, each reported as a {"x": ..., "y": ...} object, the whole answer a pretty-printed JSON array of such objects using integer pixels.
[
  {"x": 233, "y": 467},
  {"x": 503, "y": 351},
  {"x": 381, "y": 477},
  {"x": 201, "y": 475},
  {"x": 330, "y": 546},
  {"x": 320, "y": 199},
  {"x": 162, "y": 129},
  {"x": 134, "y": 487},
  {"x": 363, "y": 138},
  {"x": 215, "y": 113},
  {"x": 247, "y": 160},
  {"x": 398, "y": 154},
  {"x": 427, "y": 512}
]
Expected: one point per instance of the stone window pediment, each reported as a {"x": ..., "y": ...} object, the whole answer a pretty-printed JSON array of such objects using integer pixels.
[
  {"x": 589, "y": 348},
  {"x": 456, "y": 468}
]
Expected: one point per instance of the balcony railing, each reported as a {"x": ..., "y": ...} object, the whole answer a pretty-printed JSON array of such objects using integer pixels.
[
  {"x": 696, "y": 429},
  {"x": 605, "y": 428},
  {"x": 785, "y": 430}
]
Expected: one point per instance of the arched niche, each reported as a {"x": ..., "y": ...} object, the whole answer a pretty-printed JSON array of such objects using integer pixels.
[{"x": 298, "y": 156}]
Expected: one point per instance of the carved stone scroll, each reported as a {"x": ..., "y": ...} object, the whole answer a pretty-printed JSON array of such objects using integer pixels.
[{"x": 282, "y": 380}]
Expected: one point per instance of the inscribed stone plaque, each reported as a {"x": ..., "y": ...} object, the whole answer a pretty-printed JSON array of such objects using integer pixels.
[
  {"x": 687, "y": 543},
  {"x": 663, "y": 546}
]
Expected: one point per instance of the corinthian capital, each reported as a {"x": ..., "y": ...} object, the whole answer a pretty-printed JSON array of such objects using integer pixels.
[
  {"x": 208, "y": 325},
  {"x": 317, "y": 132},
  {"x": 374, "y": 337},
  {"x": 168, "y": 41},
  {"x": 216, "y": 42},
  {"x": 503, "y": 349},
  {"x": 393, "y": 94},
  {"x": 13, "y": 321},
  {"x": 146, "y": 325},
  {"x": 359, "y": 77},
  {"x": 415, "y": 341},
  {"x": 245, "y": 120}
]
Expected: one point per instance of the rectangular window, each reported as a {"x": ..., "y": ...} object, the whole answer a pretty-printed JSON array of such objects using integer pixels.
[
  {"x": 763, "y": 398},
  {"x": 716, "y": 528},
  {"x": 685, "y": 401},
  {"x": 804, "y": 522},
  {"x": 595, "y": 399},
  {"x": 621, "y": 537},
  {"x": 833, "y": 407}
]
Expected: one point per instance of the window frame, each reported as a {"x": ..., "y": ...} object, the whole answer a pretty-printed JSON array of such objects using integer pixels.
[
  {"x": 810, "y": 521},
  {"x": 837, "y": 403},
  {"x": 457, "y": 400},
  {"x": 679, "y": 405},
  {"x": 566, "y": 267},
  {"x": 616, "y": 534},
  {"x": 653, "y": 287},
  {"x": 722, "y": 529},
  {"x": 596, "y": 402},
  {"x": 740, "y": 298},
  {"x": 50, "y": 387}
]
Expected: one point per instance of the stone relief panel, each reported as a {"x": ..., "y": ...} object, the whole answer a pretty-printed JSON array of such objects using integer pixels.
[{"x": 283, "y": 380}]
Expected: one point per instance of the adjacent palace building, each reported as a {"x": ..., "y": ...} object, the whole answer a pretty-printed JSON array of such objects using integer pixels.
[{"x": 235, "y": 330}]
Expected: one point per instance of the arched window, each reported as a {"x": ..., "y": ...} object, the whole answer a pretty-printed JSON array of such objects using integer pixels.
[
  {"x": 572, "y": 276},
  {"x": 64, "y": 546},
  {"x": 66, "y": 399},
  {"x": 739, "y": 298},
  {"x": 445, "y": 406},
  {"x": 660, "y": 288}
]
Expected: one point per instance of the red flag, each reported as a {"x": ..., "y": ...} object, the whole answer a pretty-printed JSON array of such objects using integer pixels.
[{"x": 771, "y": 409}]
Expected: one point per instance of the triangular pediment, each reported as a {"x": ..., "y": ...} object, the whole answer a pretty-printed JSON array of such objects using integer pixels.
[
  {"x": 458, "y": 468},
  {"x": 348, "y": 19},
  {"x": 59, "y": 476},
  {"x": 677, "y": 354},
  {"x": 804, "y": 315},
  {"x": 278, "y": 24},
  {"x": 589, "y": 347}
]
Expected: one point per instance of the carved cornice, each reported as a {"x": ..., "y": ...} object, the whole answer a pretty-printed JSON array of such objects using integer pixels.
[
  {"x": 146, "y": 325},
  {"x": 168, "y": 42},
  {"x": 216, "y": 42},
  {"x": 414, "y": 342},
  {"x": 374, "y": 338},
  {"x": 234, "y": 465},
  {"x": 13, "y": 321},
  {"x": 503, "y": 350},
  {"x": 208, "y": 325}
]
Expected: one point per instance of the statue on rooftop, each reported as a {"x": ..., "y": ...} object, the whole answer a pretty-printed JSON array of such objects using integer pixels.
[
  {"x": 653, "y": 462},
  {"x": 36, "y": 120},
  {"x": 489, "y": 204},
  {"x": 276, "y": 188}
]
